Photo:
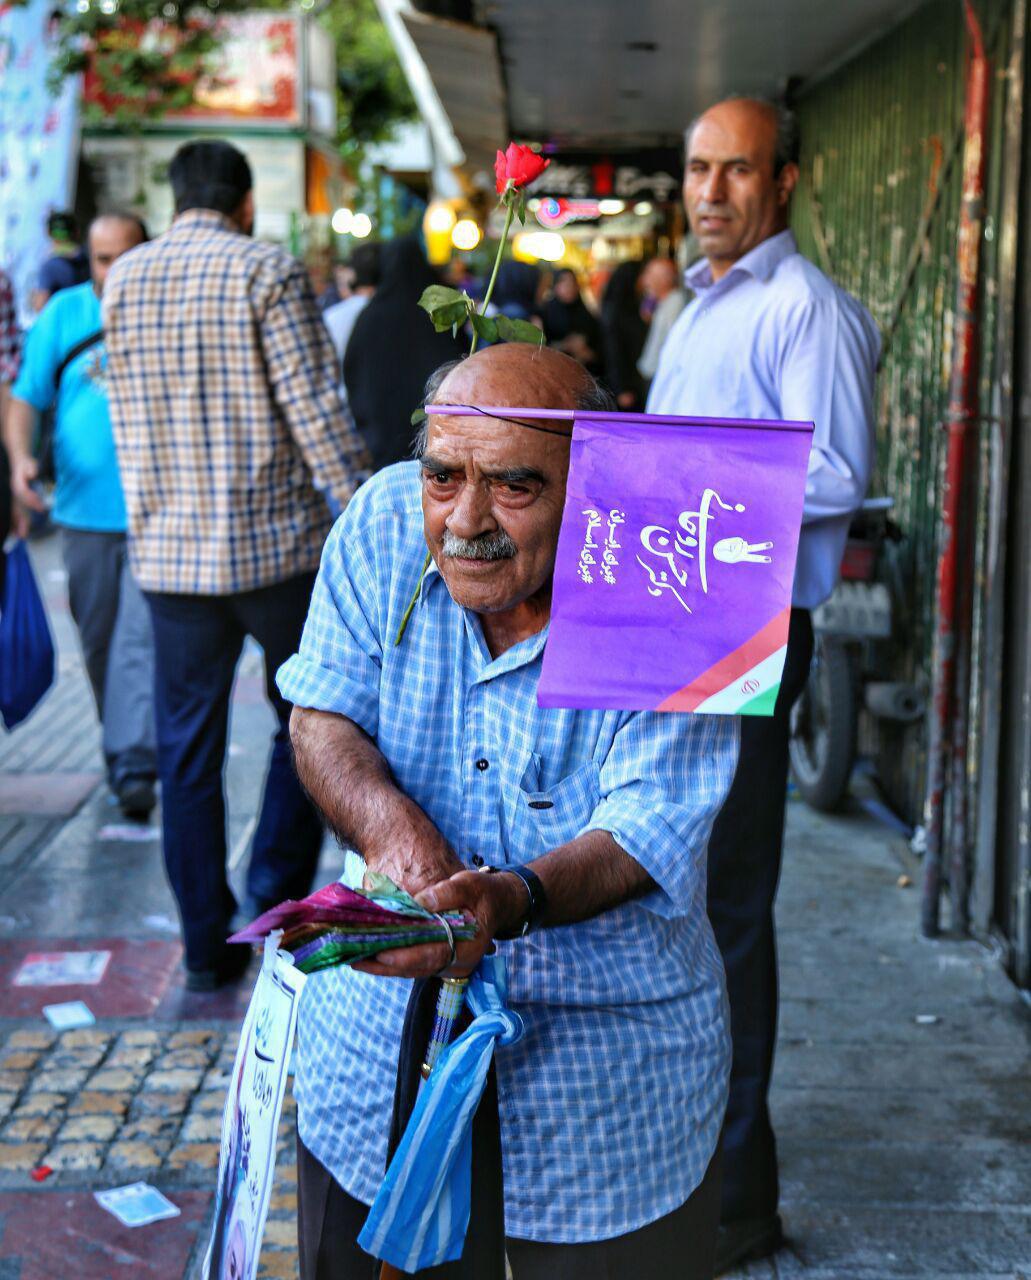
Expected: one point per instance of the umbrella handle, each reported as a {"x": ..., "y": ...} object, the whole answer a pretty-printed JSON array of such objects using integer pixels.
[{"x": 450, "y": 1002}]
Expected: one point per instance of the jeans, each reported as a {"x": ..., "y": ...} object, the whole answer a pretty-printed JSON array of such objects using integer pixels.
[
  {"x": 117, "y": 648},
  {"x": 744, "y": 868},
  {"x": 198, "y": 641}
]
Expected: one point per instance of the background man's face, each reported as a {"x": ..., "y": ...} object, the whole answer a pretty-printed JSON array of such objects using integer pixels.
[
  {"x": 733, "y": 200},
  {"x": 109, "y": 238},
  {"x": 492, "y": 488}
]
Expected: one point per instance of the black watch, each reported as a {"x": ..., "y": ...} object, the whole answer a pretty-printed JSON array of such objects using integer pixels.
[{"x": 538, "y": 899}]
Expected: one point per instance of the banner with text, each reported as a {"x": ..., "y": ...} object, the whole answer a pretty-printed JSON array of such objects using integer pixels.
[{"x": 676, "y": 560}]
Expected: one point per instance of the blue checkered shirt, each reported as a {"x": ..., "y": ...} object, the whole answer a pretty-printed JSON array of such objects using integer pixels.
[
  {"x": 612, "y": 1101},
  {"x": 223, "y": 392}
]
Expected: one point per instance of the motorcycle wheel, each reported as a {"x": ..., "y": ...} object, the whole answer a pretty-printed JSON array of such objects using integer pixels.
[{"x": 823, "y": 727}]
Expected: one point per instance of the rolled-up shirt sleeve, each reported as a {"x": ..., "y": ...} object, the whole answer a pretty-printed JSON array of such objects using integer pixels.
[
  {"x": 338, "y": 665},
  {"x": 663, "y": 782}
]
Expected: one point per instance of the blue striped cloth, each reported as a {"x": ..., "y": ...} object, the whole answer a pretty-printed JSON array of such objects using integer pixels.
[{"x": 612, "y": 1100}]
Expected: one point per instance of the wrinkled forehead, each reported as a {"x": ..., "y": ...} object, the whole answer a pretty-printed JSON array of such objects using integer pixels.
[{"x": 481, "y": 442}]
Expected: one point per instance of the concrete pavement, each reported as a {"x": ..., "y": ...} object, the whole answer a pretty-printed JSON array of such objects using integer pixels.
[{"x": 901, "y": 1094}]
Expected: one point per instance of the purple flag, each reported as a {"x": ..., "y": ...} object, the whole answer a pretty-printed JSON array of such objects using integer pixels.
[{"x": 676, "y": 560}]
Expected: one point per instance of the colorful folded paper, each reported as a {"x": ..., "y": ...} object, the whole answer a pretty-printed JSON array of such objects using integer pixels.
[{"x": 338, "y": 925}]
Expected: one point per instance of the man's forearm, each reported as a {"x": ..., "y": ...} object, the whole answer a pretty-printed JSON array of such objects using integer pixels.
[
  {"x": 348, "y": 778},
  {"x": 589, "y": 875},
  {"x": 19, "y": 426}
]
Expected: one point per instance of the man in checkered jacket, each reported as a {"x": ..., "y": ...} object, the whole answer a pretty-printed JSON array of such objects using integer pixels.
[{"x": 234, "y": 452}]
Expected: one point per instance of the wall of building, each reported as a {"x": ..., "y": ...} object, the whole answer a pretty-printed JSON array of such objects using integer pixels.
[{"x": 878, "y": 208}]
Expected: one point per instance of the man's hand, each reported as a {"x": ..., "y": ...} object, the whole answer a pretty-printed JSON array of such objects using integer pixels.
[
  {"x": 24, "y": 471},
  {"x": 497, "y": 903}
]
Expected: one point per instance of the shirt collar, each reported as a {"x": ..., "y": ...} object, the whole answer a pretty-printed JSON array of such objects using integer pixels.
[
  {"x": 202, "y": 218},
  {"x": 760, "y": 262},
  {"x": 519, "y": 655}
]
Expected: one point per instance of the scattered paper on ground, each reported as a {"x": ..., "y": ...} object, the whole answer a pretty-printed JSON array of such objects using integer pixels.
[
  {"x": 137, "y": 1204},
  {"x": 62, "y": 969},
  {"x": 130, "y": 832},
  {"x": 69, "y": 1015}
]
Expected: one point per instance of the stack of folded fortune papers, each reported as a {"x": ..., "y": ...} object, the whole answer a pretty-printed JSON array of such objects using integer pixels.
[{"x": 337, "y": 925}]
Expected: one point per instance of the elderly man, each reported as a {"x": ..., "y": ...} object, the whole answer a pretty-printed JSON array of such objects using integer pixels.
[
  {"x": 423, "y": 745},
  {"x": 767, "y": 336}
]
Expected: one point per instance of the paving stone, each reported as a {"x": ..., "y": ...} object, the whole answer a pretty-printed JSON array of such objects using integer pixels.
[
  {"x": 7, "y": 1101},
  {"x": 63, "y": 1059},
  {"x": 159, "y": 1104},
  {"x": 198, "y": 1155},
  {"x": 17, "y": 1156},
  {"x": 96, "y": 1128},
  {"x": 156, "y": 1129},
  {"x": 76, "y": 1155},
  {"x": 86, "y": 1037},
  {"x": 131, "y": 1057},
  {"x": 40, "y": 1104},
  {"x": 140, "y": 1038},
  {"x": 194, "y": 1038},
  {"x": 30, "y": 1039},
  {"x": 183, "y": 1058},
  {"x": 282, "y": 1231},
  {"x": 134, "y": 1155},
  {"x": 117, "y": 1080},
  {"x": 217, "y": 1079},
  {"x": 286, "y": 1173},
  {"x": 31, "y": 1129},
  {"x": 209, "y": 1101},
  {"x": 19, "y": 1059},
  {"x": 286, "y": 1200},
  {"x": 183, "y": 1079},
  {"x": 202, "y": 1128},
  {"x": 90, "y": 1103},
  {"x": 276, "y": 1264},
  {"x": 12, "y": 1081},
  {"x": 65, "y": 1081}
]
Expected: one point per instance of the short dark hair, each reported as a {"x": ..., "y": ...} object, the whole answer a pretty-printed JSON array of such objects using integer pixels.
[
  {"x": 62, "y": 225},
  {"x": 209, "y": 175},
  {"x": 123, "y": 215},
  {"x": 365, "y": 262},
  {"x": 592, "y": 397},
  {"x": 787, "y": 147}
]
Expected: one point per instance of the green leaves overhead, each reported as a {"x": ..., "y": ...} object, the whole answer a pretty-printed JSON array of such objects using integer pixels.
[
  {"x": 450, "y": 309},
  {"x": 518, "y": 331}
]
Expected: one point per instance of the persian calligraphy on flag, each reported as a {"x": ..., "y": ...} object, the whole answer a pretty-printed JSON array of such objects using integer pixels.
[{"x": 675, "y": 565}]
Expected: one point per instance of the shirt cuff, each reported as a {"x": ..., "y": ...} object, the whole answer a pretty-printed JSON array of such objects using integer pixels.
[
  {"x": 652, "y": 843},
  {"x": 307, "y": 684}
]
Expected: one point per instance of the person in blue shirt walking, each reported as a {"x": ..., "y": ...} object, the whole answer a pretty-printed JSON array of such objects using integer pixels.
[
  {"x": 767, "y": 335},
  {"x": 64, "y": 368}
]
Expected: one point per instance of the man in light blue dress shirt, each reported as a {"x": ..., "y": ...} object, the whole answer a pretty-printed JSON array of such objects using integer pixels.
[
  {"x": 767, "y": 335},
  {"x": 423, "y": 744}
]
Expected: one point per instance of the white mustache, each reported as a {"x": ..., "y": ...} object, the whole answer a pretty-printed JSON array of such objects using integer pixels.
[{"x": 488, "y": 546}]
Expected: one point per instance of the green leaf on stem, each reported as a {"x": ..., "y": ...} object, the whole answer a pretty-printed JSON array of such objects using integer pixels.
[
  {"x": 439, "y": 295},
  {"x": 510, "y": 330},
  {"x": 418, "y": 417},
  {"x": 484, "y": 326},
  {"x": 450, "y": 316}
]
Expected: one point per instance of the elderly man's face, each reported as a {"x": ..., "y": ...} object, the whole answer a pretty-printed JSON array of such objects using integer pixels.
[
  {"x": 734, "y": 201},
  {"x": 492, "y": 491}
]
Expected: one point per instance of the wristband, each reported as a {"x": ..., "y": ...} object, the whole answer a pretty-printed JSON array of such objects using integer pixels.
[{"x": 536, "y": 906}]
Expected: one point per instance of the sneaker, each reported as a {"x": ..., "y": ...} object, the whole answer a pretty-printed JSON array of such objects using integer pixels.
[
  {"x": 136, "y": 798},
  {"x": 747, "y": 1240},
  {"x": 231, "y": 968}
]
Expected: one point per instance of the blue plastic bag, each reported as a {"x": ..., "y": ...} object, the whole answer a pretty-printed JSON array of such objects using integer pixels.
[{"x": 26, "y": 649}]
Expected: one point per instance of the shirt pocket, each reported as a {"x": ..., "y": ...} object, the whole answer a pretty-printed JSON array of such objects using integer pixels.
[{"x": 538, "y": 821}]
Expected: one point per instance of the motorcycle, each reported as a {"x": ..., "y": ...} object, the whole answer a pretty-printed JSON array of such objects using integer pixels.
[{"x": 842, "y": 678}]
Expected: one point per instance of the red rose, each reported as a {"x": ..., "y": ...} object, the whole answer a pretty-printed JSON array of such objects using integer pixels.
[{"x": 518, "y": 165}]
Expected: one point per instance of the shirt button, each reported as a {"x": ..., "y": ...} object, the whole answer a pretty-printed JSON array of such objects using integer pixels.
[
  {"x": 482, "y": 764},
  {"x": 476, "y": 860}
]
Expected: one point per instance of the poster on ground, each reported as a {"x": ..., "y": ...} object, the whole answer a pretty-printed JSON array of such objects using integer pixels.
[
  {"x": 250, "y": 1122},
  {"x": 675, "y": 565}
]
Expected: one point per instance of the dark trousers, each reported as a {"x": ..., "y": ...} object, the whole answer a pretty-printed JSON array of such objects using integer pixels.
[
  {"x": 682, "y": 1244},
  {"x": 744, "y": 868},
  {"x": 197, "y": 643}
]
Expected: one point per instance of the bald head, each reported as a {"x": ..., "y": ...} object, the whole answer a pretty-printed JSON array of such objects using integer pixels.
[
  {"x": 517, "y": 374},
  {"x": 737, "y": 182},
  {"x": 111, "y": 235}
]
